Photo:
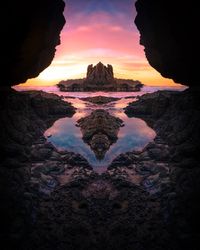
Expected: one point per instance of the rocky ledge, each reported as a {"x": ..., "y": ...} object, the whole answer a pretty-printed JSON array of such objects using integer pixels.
[
  {"x": 100, "y": 100},
  {"x": 168, "y": 168},
  {"x": 147, "y": 199},
  {"x": 100, "y": 130},
  {"x": 24, "y": 117}
]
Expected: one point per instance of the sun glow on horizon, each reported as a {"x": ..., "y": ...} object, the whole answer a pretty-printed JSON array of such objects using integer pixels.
[{"x": 103, "y": 33}]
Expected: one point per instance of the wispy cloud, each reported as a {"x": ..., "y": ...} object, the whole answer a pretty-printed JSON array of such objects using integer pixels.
[{"x": 101, "y": 31}]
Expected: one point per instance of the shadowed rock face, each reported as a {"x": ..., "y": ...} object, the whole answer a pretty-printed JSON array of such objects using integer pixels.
[
  {"x": 24, "y": 117},
  {"x": 30, "y": 32},
  {"x": 167, "y": 31},
  {"x": 100, "y": 130}
]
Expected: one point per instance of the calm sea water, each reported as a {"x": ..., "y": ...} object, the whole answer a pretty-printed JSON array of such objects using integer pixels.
[{"x": 135, "y": 134}]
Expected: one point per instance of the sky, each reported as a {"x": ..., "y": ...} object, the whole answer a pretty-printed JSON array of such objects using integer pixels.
[{"x": 100, "y": 31}]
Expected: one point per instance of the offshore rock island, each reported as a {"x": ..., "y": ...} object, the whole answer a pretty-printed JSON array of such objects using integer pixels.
[
  {"x": 100, "y": 78},
  {"x": 51, "y": 198}
]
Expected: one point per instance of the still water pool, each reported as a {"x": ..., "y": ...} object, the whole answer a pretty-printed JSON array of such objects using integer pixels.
[{"x": 134, "y": 135}]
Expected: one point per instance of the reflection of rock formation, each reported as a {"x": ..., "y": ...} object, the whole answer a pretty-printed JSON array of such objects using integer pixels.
[
  {"x": 100, "y": 74},
  {"x": 100, "y": 100},
  {"x": 98, "y": 78},
  {"x": 100, "y": 131}
]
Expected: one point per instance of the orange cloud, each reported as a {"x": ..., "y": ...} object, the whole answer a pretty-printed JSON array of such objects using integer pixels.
[{"x": 100, "y": 36}]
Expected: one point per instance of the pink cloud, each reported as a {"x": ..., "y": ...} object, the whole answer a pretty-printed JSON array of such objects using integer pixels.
[
  {"x": 100, "y": 30},
  {"x": 101, "y": 36}
]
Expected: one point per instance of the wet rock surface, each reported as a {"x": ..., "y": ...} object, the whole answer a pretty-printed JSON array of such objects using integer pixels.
[
  {"x": 100, "y": 130},
  {"x": 100, "y": 100},
  {"x": 97, "y": 213},
  {"x": 24, "y": 118},
  {"x": 146, "y": 199}
]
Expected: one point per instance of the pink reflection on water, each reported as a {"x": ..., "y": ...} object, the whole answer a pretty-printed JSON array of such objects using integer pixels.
[
  {"x": 64, "y": 133},
  {"x": 122, "y": 103}
]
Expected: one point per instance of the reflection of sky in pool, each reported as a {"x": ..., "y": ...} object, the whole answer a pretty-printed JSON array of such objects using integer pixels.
[{"x": 134, "y": 135}]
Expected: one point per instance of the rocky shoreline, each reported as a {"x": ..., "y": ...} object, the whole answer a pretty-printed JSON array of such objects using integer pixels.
[
  {"x": 24, "y": 117},
  {"x": 30, "y": 166},
  {"x": 146, "y": 199},
  {"x": 168, "y": 167}
]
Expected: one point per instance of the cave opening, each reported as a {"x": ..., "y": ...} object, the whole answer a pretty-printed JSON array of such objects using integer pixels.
[
  {"x": 147, "y": 198},
  {"x": 97, "y": 32}
]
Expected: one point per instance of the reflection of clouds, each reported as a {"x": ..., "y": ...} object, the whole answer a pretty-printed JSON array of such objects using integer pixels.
[
  {"x": 77, "y": 103},
  {"x": 118, "y": 113},
  {"x": 133, "y": 136},
  {"x": 81, "y": 113},
  {"x": 123, "y": 102}
]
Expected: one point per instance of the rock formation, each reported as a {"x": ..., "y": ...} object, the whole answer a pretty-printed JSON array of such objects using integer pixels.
[
  {"x": 146, "y": 200},
  {"x": 100, "y": 131},
  {"x": 100, "y": 74},
  {"x": 100, "y": 100},
  {"x": 175, "y": 116},
  {"x": 168, "y": 34},
  {"x": 24, "y": 118},
  {"x": 100, "y": 78},
  {"x": 30, "y": 31}
]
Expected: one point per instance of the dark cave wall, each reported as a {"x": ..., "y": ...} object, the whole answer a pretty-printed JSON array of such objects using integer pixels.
[
  {"x": 30, "y": 32},
  {"x": 167, "y": 31}
]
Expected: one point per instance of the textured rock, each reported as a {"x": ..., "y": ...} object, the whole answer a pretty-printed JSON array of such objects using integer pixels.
[
  {"x": 147, "y": 199},
  {"x": 168, "y": 34},
  {"x": 100, "y": 131},
  {"x": 99, "y": 213},
  {"x": 175, "y": 116},
  {"x": 100, "y": 78},
  {"x": 24, "y": 117},
  {"x": 100, "y": 100},
  {"x": 100, "y": 74},
  {"x": 30, "y": 31}
]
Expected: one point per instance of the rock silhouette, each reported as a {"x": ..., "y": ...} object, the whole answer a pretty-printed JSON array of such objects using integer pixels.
[
  {"x": 100, "y": 74},
  {"x": 100, "y": 78},
  {"x": 30, "y": 32},
  {"x": 168, "y": 34}
]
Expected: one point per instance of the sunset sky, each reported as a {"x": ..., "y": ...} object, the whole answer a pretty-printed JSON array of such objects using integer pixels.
[{"x": 100, "y": 31}]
